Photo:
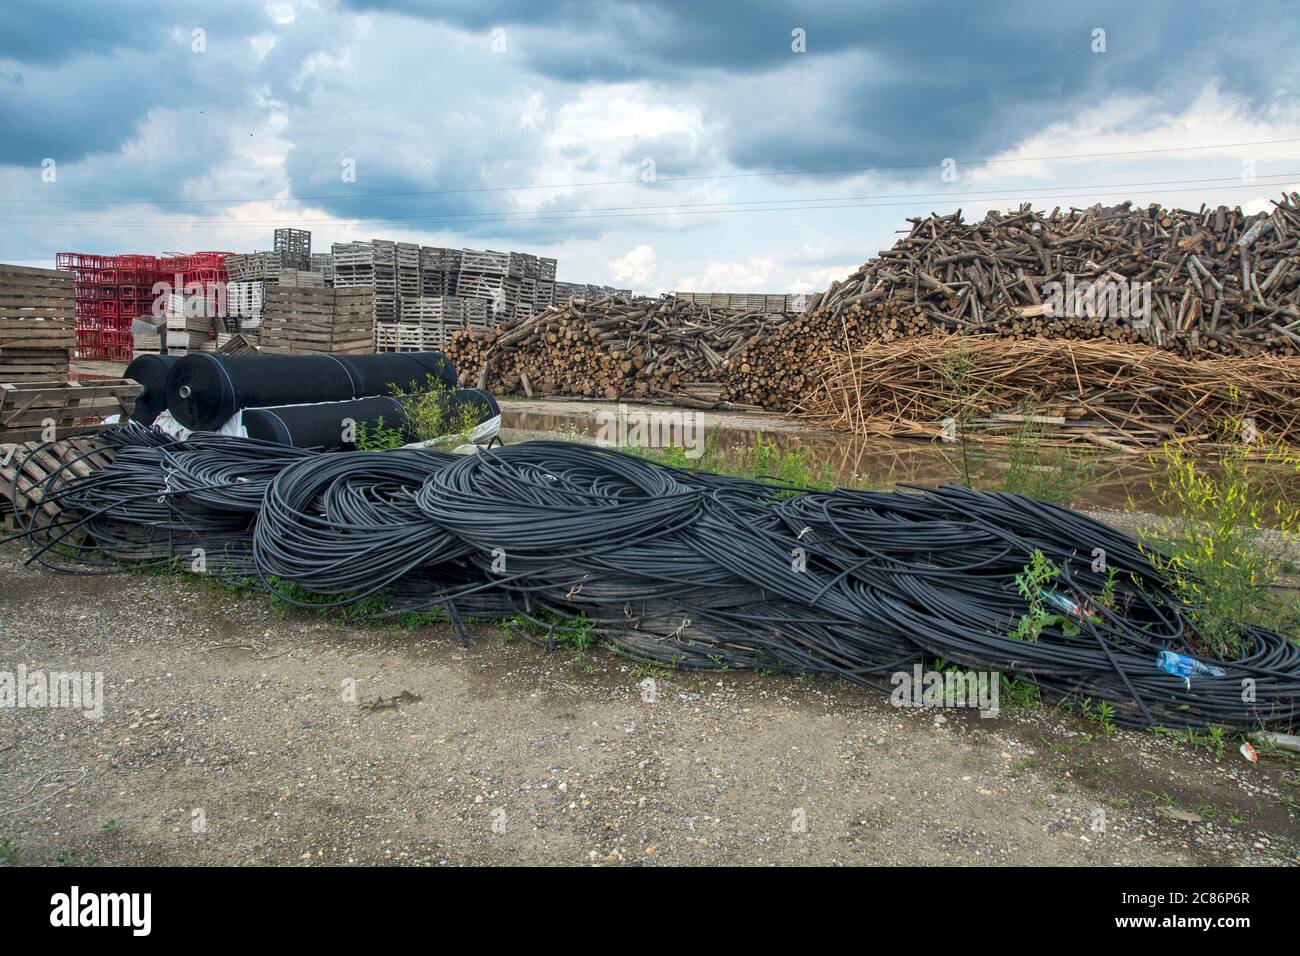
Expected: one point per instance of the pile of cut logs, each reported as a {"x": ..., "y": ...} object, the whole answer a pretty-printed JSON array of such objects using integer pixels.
[
  {"x": 619, "y": 347},
  {"x": 1204, "y": 284}
]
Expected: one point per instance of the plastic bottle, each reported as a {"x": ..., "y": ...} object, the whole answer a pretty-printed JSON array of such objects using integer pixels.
[{"x": 1182, "y": 666}]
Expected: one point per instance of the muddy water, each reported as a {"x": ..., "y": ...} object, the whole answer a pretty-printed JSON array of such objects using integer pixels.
[{"x": 1118, "y": 483}]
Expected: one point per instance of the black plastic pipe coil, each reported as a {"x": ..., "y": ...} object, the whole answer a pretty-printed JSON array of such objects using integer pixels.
[{"x": 691, "y": 569}]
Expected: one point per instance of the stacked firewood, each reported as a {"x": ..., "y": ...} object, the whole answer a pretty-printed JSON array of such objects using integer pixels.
[
  {"x": 619, "y": 347},
  {"x": 1204, "y": 284}
]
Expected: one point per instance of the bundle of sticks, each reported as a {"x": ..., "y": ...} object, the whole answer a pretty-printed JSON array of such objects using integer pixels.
[
  {"x": 1203, "y": 284},
  {"x": 617, "y": 348},
  {"x": 1123, "y": 399}
]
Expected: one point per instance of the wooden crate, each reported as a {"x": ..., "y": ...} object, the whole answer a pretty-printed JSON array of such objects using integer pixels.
[
  {"x": 28, "y": 408},
  {"x": 27, "y": 293},
  {"x": 37, "y": 323},
  {"x": 331, "y": 321}
]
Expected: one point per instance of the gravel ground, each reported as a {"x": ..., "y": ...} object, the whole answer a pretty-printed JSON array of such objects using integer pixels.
[{"x": 228, "y": 737}]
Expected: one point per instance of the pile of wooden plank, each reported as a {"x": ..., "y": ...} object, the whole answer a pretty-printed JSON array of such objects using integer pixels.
[
  {"x": 1124, "y": 399},
  {"x": 37, "y": 324},
  {"x": 1203, "y": 284},
  {"x": 26, "y": 468},
  {"x": 332, "y": 321},
  {"x": 636, "y": 348},
  {"x": 45, "y": 411}
]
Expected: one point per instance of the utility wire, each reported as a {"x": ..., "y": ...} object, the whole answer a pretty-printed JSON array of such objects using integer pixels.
[
  {"x": 839, "y": 170},
  {"x": 1045, "y": 193}
]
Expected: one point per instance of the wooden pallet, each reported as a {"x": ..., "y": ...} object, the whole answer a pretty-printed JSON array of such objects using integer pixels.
[
  {"x": 27, "y": 409},
  {"x": 27, "y": 293},
  {"x": 25, "y": 469},
  {"x": 331, "y": 321}
]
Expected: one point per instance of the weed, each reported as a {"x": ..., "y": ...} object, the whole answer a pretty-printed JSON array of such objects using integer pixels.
[
  {"x": 430, "y": 416},
  {"x": 1106, "y": 717},
  {"x": 1223, "y": 547},
  {"x": 1032, "y": 583},
  {"x": 1034, "y": 470}
]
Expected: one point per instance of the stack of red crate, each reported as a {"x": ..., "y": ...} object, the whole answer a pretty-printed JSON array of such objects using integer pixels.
[
  {"x": 111, "y": 291},
  {"x": 208, "y": 270},
  {"x": 89, "y": 292}
]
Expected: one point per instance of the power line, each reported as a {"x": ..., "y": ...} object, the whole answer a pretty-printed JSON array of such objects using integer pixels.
[
  {"x": 761, "y": 205},
  {"x": 658, "y": 179}
]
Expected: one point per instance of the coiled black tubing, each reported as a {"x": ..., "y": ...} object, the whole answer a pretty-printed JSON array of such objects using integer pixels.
[
  {"x": 151, "y": 372},
  {"x": 205, "y": 389},
  {"x": 686, "y": 568}
]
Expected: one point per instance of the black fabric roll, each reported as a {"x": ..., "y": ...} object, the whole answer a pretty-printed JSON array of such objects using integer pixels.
[
  {"x": 321, "y": 425},
  {"x": 477, "y": 398},
  {"x": 205, "y": 389},
  {"x": 151, "y": 372}
]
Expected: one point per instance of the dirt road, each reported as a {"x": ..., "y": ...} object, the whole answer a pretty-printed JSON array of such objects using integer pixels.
[{"x": 230, "y": 735}]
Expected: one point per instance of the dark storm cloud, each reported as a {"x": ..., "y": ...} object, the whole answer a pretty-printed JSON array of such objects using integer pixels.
[{"x": 890, "y": 82}]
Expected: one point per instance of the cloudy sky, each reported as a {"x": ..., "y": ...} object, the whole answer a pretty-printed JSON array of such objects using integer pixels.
[{"x": 743, "y": 146}]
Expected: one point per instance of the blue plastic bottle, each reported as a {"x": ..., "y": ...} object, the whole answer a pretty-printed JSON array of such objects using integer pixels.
[{"x": 1182, "y": 666}]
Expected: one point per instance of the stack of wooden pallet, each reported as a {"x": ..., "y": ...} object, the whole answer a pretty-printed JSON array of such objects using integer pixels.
[
  {"x": 439, "y": 269},
  {"x": 337, "y": 321},
  {"x": 758, "y": 301},
  {"x": 253, "y": 266},
  {"x": 37, "y": 324},
  {"x": 300, "y": 279},
  {"x": 323, "y": 262},
  {"x": 428, "y": 322},
  {"x": 45, "y": 411},
  {"x": 408, "y": 273},
  {"x": 384, "y": 264},
  {"x": 483, "y": 276},
  {"x": 371, "y": 265},
  {"x": 30, "y": 470}
]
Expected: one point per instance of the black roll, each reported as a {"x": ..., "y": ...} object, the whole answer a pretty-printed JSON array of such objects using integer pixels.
[
  {"x": 322, "y": 425},
  {"x": 205, "y": 389},
  {"x": 479, "y": 399},
  {"x": 151, "y": 372}
]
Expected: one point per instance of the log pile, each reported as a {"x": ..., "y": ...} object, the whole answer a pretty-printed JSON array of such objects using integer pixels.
[
  {"x": 1203, "y": 284},
  {"x": 617, "y": 348},
  {"x": 1121, "y": 399}
]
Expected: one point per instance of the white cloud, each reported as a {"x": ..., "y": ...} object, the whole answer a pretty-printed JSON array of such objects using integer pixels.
[
  {"x": 753, "y": 275},
  {"x": 637, "y": 268}
]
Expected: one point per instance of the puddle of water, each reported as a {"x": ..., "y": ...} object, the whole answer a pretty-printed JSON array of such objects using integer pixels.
[{"x": 1118, "y": 483}]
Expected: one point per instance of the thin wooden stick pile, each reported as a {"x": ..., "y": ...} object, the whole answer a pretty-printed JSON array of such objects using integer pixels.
[
  {"x": 620, "y": 347},
  {"x": 1121, "y": 398},
  {"x": 1200, "y": 284}
]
